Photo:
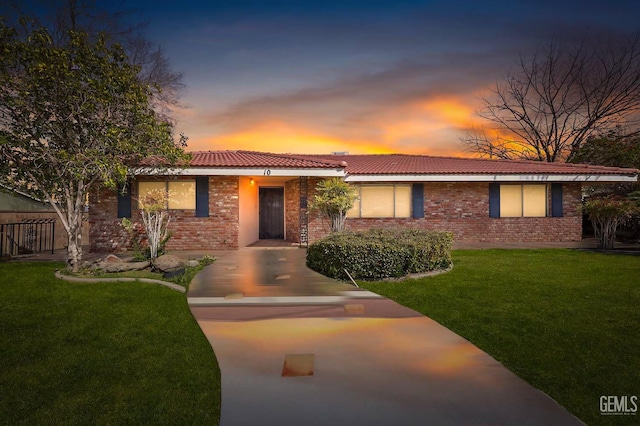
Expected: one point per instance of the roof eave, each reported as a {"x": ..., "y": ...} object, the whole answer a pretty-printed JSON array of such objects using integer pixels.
[
  {"x": 526, "y": 177},
  {"x": 241, "y": 171}
]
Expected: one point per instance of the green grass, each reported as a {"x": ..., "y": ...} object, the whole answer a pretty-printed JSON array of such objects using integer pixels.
[
  {"x": 113, "y": 353},
  {"x": 568, "y": 322}
]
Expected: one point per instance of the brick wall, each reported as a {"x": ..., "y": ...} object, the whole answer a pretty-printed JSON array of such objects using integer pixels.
[
  {"x": 218, "y": 231},
  {"x": 292, "y": 210},
  {"x": 318, "y": 225},
  {"x": 463, "y": 208}
]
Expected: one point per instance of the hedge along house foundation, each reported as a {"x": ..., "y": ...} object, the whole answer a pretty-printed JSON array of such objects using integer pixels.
[{"x": 230, "y": 199}]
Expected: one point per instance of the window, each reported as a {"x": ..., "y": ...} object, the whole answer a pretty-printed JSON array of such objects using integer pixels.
[
  {"x": 382, "y": 201},
  {"x": 523, "y": 200},
  {"x": 182, "y": 193}
]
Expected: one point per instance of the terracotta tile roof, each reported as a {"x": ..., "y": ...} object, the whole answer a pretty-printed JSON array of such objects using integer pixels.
[
  {"x": 396, "y": 164},
  {"x": 251, "y": 159},
  {"x": 402, "y": 164}
]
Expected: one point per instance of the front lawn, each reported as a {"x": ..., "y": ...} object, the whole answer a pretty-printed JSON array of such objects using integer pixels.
[
  {"x": 568, "y": 322},
  {"x": 113, "y": 353}
]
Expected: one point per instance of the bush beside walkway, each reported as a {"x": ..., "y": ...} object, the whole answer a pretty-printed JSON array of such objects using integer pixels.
[{"x": 380, "y": 253}]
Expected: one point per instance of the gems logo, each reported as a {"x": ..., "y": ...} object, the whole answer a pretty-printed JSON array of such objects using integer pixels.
[{"x": 611, "y": 405}]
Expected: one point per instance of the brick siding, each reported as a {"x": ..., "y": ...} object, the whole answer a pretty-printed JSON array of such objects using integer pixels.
[
  {"x": 463, "y": 208},
  {"x": 459, "y": 207},
  {"x": 292, "y": 210},
  {"x": 218, "y": 231}
]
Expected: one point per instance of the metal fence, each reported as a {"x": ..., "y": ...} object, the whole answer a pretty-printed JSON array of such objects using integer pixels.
[{"x": 27, "y": 237}]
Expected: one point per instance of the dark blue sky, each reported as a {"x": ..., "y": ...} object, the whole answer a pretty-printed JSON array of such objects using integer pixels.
[{"x": 358, "y": 76}]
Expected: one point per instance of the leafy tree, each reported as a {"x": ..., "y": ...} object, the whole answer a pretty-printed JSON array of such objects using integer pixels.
[
  {"x": 334, "y": 198},
  {"x": 606, "y": 214},
  {"x": 611, "y": 206},
  {"x": 610, "y": 150},
  {"x": 60, "y": 17},
  {"x": 73, "y": 115},
  {"x": 555, "y": 100},
  {"x": 153, "y": 207}
]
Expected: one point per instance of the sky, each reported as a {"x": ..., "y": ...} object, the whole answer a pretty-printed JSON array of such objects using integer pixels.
[{"x": 372, "y": 76}]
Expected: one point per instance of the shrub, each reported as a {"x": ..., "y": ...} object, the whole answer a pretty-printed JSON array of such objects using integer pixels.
[
  {"x": 334, "y": 198},
  {"x": 139, "y": 243},
  {"x": 380, "y": 253},
  {"x": 606, "y": 214}
]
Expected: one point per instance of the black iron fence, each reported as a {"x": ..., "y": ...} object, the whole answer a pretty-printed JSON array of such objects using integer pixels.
[{"x": 26, "y": 237}]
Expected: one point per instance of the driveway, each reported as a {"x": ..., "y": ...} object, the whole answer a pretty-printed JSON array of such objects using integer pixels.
[{"x": 373, "y": 362}]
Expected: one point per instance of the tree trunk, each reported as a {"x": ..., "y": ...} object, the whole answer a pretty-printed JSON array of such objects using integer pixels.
[
  {"x": 155, "y": 229},
  {"x": 605, "y": 232},
  {"x": 337, "y": 223},
  {"x": 74, "y": 246}
]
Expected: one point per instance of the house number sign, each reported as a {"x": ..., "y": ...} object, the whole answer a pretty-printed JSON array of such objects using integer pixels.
[{"x": 267, "y": 172}]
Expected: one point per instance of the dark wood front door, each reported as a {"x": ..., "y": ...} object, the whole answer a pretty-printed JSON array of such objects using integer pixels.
[{"x": 271, "y": 213}]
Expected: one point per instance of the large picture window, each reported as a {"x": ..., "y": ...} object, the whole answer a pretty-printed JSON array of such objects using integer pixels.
[
  {"x": 182, "y": 193},
  {"x": 523, "y": 200},
  {"x": 378, "y": 201}
]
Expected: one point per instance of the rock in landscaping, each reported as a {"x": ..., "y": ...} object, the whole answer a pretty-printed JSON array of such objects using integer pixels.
[
  {"x": 89, "y": 264},
  {"x": 122, "y": 266},
  {"x": 173, "y": 273},
  {"x": 112, "y": 258},
  {"x": 192, "y": 263},
  {"x": 168, "y": 262},
  {"x": 113, "y": 263}
]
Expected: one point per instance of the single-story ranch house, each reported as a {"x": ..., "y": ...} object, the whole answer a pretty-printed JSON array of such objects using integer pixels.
[{"x": 230, "y": 199}]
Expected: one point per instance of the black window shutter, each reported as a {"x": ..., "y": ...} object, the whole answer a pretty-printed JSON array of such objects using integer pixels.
[
  {"x": 124, "y": 200},
  {"x": 417, "y": 200},
  {"x": 202, "y": 196},
  {"x": 556, "y": 200},
  {"x": 494, "y": 200}
]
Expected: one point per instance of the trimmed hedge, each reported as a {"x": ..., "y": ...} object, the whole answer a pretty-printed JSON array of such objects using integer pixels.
[{"x": 380, "y": 253}]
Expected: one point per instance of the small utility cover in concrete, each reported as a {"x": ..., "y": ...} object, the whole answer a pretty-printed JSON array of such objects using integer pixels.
[
  {"x": 234, "y": 296},
  {"x": 354, "y": 309},
  {"x": 298, "y": 365}
]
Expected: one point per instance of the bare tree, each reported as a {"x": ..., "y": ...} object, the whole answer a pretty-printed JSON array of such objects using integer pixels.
[{"x": 556, "y": 99}]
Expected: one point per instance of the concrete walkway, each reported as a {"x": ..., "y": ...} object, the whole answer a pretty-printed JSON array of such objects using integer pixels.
[
  {"x": 261, "y": 275},
  {"x": 373, "y": 362}
]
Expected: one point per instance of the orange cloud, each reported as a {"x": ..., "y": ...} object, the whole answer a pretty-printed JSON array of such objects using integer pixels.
[
  {"x": 276, "y": 136},
  {"x": 448, "y": 112},
  {"x": 430, "y": 126}
]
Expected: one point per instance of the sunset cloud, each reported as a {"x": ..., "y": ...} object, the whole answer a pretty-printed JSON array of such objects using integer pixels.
[
  {"x": 391, "y": 77},
  {"x": 283, "y": 137},
  {"x": 411, "y": 107}
]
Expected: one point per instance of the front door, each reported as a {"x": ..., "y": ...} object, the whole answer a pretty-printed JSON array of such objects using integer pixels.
[{"x": 271, "y": 213}]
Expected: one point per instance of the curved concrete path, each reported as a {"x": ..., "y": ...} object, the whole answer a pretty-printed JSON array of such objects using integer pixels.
[{"x": 373, "y": 361}]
